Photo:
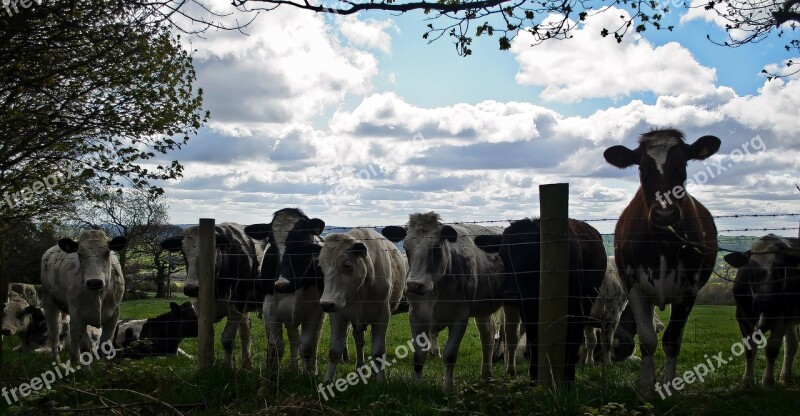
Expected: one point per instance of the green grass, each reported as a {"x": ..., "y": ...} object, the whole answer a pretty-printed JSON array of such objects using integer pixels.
[{"x": 598, "y": 390}]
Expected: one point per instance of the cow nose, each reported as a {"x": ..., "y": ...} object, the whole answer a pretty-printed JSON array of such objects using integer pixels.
[
  {"x": 191, "y": 290},
  {"x": 94, "y": 284},
  {"x": 665, "y": 216},
  {"x": 328, "y": 307},
  {"x": 415, "y": 287}
]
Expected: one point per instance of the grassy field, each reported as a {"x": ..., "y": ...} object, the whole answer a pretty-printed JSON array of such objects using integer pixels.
[{"x": 132, "y": 387}]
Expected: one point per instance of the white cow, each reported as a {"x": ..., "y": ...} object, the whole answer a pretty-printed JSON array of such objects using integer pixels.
[
  {"x": 84, "y": 280},
  {"x": 364, "y": 278}
]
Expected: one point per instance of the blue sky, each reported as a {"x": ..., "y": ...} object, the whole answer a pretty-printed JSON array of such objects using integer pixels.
[{"x": 359, "y": 121}]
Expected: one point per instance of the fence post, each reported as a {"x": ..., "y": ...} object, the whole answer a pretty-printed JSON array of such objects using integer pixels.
[
  {"x": 553, "y": 283},
  {"x": 205, "y": 297}
]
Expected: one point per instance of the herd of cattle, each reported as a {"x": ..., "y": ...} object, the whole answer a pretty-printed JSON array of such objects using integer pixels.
[{"x": 664, "y": 254}]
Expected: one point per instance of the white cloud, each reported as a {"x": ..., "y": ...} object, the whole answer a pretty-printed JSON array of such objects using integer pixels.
[
  {"x": 590, "y": 66},
  {"x": 369, "y": 33}
]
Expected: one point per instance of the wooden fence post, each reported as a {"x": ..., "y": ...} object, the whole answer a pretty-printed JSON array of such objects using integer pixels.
[
  {"x": 205, "y": 297},
  {"x": 554, "y": 282}
]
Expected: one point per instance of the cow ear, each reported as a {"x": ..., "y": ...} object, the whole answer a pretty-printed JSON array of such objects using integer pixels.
[
  {"x": 737, "y": 260},
  {"x": 489, "y": 243},
  {"x": 222, "y": 242},
  {"x": 174, "y": 307},
  {"x": 703, "y": 147},
  {"x": 35, "y": 313},
  {"x": 68, "y": 245},
  {"x": 449, "y": 233},
  {"x": 173, "y": 244},
  {"x": 258, "y": 231},
  {"x": 359, "y": 249},
  {"x": 316, "y": 225},
  {"x": 118, "y": 243},
  {"x": 394, "y": 233},
  {"x": 620, "y": 156}
]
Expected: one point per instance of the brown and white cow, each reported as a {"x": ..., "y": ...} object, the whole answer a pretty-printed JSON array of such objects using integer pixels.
[
  {"x": 82, "y": 279},
  {"x": 665, "y": 241},
  {"x": 767, "y": 295},
  {"x": 450, "y": 280},
  {"x": 235, "y": 285},
  {"x": 364, "y": 278}
]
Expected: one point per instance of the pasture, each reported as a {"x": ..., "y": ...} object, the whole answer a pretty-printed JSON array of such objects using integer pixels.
[{"x": 147, "y": 386}]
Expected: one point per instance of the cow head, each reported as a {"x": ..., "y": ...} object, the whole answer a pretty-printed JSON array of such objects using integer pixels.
[
  {"x": 95, "y": 257},
  {"x": 288, "y": 256},
  {"x": 346, "y": 264},
  {"x": 518, "y": 247},
  {"x": 186, "y": 316},
  {"x": 662, "y": 156},
  {"x": 189, "y": 245},
  {"x": 770, "y": 270},
  {"x": 427, "y": 245}
]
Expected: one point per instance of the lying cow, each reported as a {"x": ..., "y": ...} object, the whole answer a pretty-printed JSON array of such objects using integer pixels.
[
  {"x": 449, "y": 281},
  {"x": 82, "y": 279},
  {"x": 519, "y": 247},
  {"x": 364, "y": 279},
  {"x": 29, "y": 324},
  {"x": 163, "y": 333},
  {"x": 236, "y": 262},
  {"x": 767, "y": 295}
]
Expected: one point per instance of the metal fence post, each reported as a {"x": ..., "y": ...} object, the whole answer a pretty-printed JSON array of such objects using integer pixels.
[
  {"x": 553, "y": 283},
  {"x": 205, "y": 297}
]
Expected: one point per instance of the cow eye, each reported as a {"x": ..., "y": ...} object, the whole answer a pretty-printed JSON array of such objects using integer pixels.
[{"x": 348, "y": 265}]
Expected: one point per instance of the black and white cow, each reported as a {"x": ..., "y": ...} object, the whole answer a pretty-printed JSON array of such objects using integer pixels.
[
  {"x": 82, "y": 279},
  {"x": 235, "y": 280},
  {"x": 449, "y": 281},
  {"x": 518, "y": 248},
  {"x": 605, "y": 315},
  {"x": 665, "y": 241},
  {"x": 767, "y": 295},
  {"x": 292, "y": 284},
  {"x": 164, "y": 332}
]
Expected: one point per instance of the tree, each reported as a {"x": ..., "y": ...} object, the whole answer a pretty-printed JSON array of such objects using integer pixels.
[
  {"x": 89, "y": 90},
  {"x": 163, "y": 262},
  {"x": 554, "y": 19}
]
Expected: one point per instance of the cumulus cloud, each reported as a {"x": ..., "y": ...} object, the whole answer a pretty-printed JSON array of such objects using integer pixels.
[{"x": 589, "y": 66}]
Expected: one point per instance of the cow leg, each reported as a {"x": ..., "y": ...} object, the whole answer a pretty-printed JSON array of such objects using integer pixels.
[
  {"x": 229, "y": 336},
  {"x": 77, "y": 332},
  {"x": 309, "y": 341},
  {"x": 379, "y": 328},
  {"x": 575, "y": 327},
  {"x": 338, "y": 342},
  {"x": 420, "y": 327},
  {"x": 434, "y": 347},
  {"x": 51, "y": 315},
  {"x": 673, "y": 335},
  {"x": 512, "y": 323},
  {"x": 244, "y": 337},
  {"x": 358, "y": 336},
  {"x": 789, "y": 353},
  {"x": 587, "y": 355},
  {"x": 455, "y": 334},
  {"x": 778, "y": 329},
  {"x": 747, "y": 327},
  {"x": 643, "y": 312},
  {"x": 607, "y": 337},
  {"x": 274, "y": 329},
  {"x": 293, "y": 333}
]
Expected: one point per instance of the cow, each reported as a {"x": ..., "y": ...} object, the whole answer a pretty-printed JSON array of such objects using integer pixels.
[
  {"x": 82, "y": 279},
  {"x": 292, "y": 283},
  {"x": 665, "y": 242},
  {"x": 235, "y": 285},
  {"x": 364, "y": 278},
  {"x": 518, "y": 247},
  {"x": 605, "y": 314},
  {"x": 623, "y": 344},
  {"x": 767, "y": 295},
  {"x": 164, "y": 332},
  {"x": 449, "y": 281},
  {"x": 29, "y": 324}
]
